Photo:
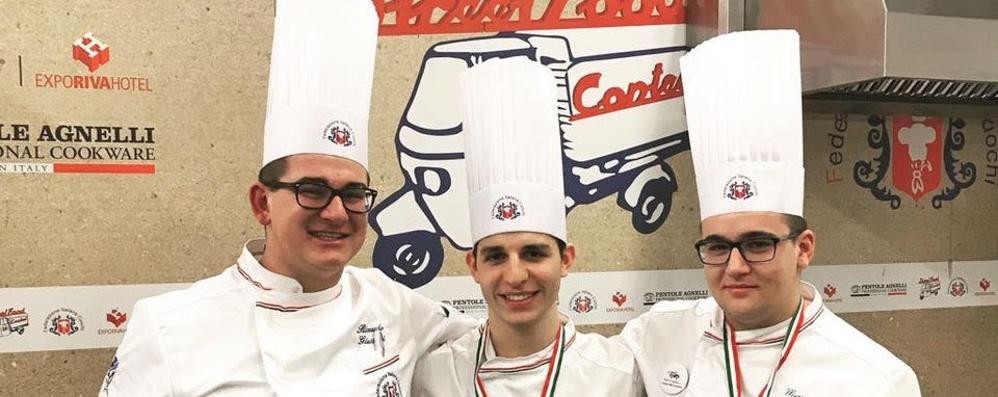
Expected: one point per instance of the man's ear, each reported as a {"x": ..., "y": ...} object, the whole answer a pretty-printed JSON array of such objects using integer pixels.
[
  {"x": 260, "y": 203},
  {"x": 567, "y": 259},
  {"x": 805, "y": 249},
  {"x": 469, "y": 259}
]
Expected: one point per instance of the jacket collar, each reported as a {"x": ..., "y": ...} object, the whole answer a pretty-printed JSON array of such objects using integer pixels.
[
  {"x": 277, "y": 290},
  {"x": 813, "y": 308},
  {"x": 497, "y": 364}
]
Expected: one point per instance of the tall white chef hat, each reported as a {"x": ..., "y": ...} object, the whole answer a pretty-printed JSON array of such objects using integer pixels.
[
  {"x": 321, "y": 75},
  {"x": 513, "y": 149},
  {"x": 743, "y": 109}
]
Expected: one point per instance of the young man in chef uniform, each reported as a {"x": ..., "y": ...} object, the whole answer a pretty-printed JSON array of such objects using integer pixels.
[
  {"x": 764, "y": 332},
  {"x": 517, "y": 204},
  {"x": 290, "y": 318}
]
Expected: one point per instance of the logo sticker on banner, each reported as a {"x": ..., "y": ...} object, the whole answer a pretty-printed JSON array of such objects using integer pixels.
[
  {"x": 957, "y": 286},
  {"x": 984, "y": 284},
  {"x": 930, "y": 287},
  {"x": 583, "y": 302},
  {"x": 63, "y": 322},
  {"x": 117, "y": 319},
  {"x": 619, "y": 303},
  {"x": 13, "y": 321},
  {"x": 829, "y": 290},
  {"x": 879, "y": 289}
]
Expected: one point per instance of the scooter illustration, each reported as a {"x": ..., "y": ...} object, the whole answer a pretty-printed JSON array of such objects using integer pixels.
[{"x": 621, "y": 117}]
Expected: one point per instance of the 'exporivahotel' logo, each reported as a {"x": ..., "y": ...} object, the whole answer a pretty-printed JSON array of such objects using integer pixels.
[
  {"x": 91, "y": 51},
  {"x": 94, "y": 53}
]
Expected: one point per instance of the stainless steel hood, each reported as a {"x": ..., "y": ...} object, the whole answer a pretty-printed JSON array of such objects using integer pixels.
[{"x": 921, "y": 51}]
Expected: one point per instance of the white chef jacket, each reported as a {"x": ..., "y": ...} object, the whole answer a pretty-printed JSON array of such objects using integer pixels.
[
  {"x": 592, "y": 365},
  {"x": 252, "y": 332},
  {"x": 679, "y": 348}
]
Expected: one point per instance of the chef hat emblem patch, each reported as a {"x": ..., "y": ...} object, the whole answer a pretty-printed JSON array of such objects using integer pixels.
[
  {"x": 507, "y": 208},
  {"x": 739, "y": 187},
  {"x": 339, "y": 133}
]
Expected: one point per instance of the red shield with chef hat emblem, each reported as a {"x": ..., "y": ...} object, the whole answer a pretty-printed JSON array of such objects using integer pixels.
[
  {"x": 507, "y": 208},
  {"x": 829, "y": 290},
  {"x": 917, "y": 154},
  {"x": 63, "y": 322},
  {"x": 583, "y": 302},
  {"x": 739, "y": 188},
  {"x": 338, "y": 133},
  {"x": 957, "y": 286}
]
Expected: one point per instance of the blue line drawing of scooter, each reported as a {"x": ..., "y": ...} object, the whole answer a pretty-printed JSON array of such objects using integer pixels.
[{"x": 621, "y": 117}]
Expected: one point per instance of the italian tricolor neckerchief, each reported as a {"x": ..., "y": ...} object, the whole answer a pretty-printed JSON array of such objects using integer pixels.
[
  {"x": 554, "y": 363},
  {"x": 734, "y": 370}
]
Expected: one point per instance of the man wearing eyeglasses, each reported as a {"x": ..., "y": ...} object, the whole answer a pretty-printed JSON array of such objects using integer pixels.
[
  {"x": 764, "y": 332},
  {"x": 290, "y": 318}
]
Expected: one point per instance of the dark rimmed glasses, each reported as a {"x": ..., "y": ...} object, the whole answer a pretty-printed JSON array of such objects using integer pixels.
[
  {"x": 715, "y": 252},
  {"x": 316, "y": 196}
]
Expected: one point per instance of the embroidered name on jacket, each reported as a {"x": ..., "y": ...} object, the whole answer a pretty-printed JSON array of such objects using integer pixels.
[{"x": 373, "y": 336}]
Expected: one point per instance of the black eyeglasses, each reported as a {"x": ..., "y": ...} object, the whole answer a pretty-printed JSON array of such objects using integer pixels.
[
  {"x": 316, "y": 196},
  {"x": 753, "y": 249}
]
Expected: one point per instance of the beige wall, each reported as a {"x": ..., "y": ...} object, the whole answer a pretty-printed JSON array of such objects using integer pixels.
[{"x": 206, "y": 64}]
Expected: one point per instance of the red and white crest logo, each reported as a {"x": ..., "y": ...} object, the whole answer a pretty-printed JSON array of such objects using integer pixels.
[
  {"x": 338, "y": 133},
  {"x": 917, "y": 151},
  {"x": 985, "y": 284},
  {"x": 91, "y": 51},
  {"x": 619, "y": 298},
  {"x": 507, "y": 208},
  {"x": 739, "y": 188},
  {"x": 829, "y": 290},
  {"x": 583, "y": 302},
  {"x": 63, "y": 322},
  {"x": 957, "y": 286}
]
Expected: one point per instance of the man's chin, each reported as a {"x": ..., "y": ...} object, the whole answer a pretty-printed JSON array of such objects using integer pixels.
[
  {"x": 739, "y": 308},
  {"x": 517, "y": 320},
  {"x": 329, "y": 262}
]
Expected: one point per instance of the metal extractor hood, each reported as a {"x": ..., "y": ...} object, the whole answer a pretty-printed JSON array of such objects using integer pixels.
[{"x": 927, "y": 51}]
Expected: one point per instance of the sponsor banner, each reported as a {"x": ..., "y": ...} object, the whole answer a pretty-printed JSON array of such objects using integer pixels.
[
  {"x": 869, "y": 288},
  {"x": 401, "y": 18},
  {"x": 77, "y": 149},
  {"x": 74, "y": 168},
  {"x": 58, "y": 318}
]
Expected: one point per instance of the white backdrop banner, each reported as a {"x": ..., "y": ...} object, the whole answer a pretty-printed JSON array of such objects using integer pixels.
[{"x": 84, "y": 317}]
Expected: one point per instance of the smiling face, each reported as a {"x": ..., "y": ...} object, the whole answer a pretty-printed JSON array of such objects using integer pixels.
[
  {"x": 520, "y": 275},
  {"x": 311, "y": 246},
  {"x": 755, "y": 295}
]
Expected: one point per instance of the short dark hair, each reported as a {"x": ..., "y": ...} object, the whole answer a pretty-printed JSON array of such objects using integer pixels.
[
  {"x": 561, "y": 247},
  {"x": 273, "y": 171},
  {"x": 796, "y": 223}
]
